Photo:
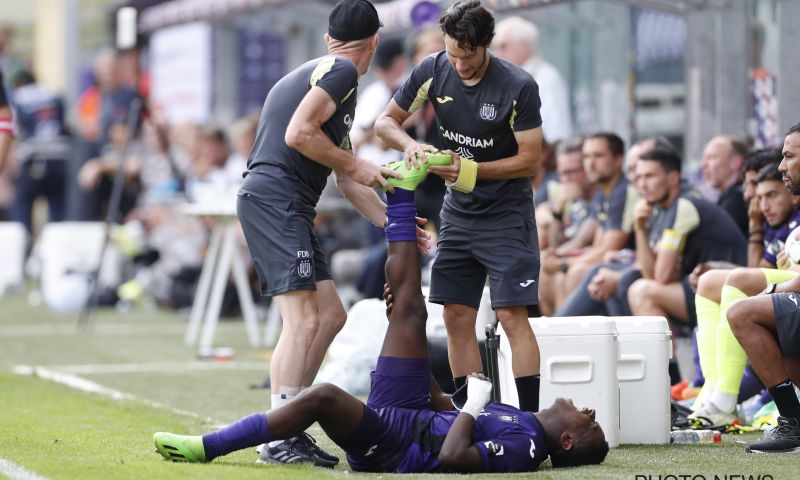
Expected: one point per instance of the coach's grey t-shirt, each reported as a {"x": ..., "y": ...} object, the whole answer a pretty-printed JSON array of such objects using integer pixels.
[
  {"x": 700, "y": 231},
  {"x": 279, "y": 174},
  {"x": 478, "y": 122},
  {"x": 615, "y": 210}
]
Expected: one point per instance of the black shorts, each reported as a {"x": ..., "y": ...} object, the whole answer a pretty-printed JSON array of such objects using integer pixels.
[
  {"x": 286, "y": 251},
  {"x": 787, "y": 319},
  {"x": 510, "y": 256}
]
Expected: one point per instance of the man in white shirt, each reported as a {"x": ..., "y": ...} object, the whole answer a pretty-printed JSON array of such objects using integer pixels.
[{"x": 517, "y": 40}]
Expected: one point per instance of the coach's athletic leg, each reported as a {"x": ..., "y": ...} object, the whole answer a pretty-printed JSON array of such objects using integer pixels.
[
  {"x": 332, "y": 317},
  {"x": 337, "y": 412},
  {"x": 289, "y": 365},
  {"x": 462, "y": 342},
  {"x": 293, "y": 367},
  {"x": 524, "y": 355}
]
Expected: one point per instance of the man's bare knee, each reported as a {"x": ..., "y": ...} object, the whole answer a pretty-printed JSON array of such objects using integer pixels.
[
  {"x": 740, "y": 317},
  {"x": 332, "y": 319},
  {"x": 513, "y": 322},
  {"x": 749, "y": 280},
  {"x": 639, "y": 292},
  {"x": 320, "y": 397}
]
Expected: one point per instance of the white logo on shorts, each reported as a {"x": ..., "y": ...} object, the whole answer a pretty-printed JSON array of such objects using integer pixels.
[
  {"x": 304, "y": 268},
  {"x": 371, "y": 450},
  {"x": 532, "y": 451},
  {"x": 793, "y": 299},
  {"x": 526, "y": 283}
]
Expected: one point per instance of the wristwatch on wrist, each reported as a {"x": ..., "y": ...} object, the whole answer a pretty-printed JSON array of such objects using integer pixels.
[
  {"x": 771, "y": 288},
  {"x": 563, "y": 266}
]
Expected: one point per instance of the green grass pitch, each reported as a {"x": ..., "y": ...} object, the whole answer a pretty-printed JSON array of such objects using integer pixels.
[{"x": 61, "y": 433}]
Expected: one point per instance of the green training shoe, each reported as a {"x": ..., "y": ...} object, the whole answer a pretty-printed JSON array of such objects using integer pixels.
[
  {"x": 180, "y": 448},
  {"x": 414, "y": 176}
]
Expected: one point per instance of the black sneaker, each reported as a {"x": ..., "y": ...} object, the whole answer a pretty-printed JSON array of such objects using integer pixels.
[
  {"x": 300, "y": 449},
  {"x": 785, "y": 438}
]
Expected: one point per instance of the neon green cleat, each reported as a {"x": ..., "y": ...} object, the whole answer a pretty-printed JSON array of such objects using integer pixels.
[
  {"x": 180, "y": 448},
  {"x": 412, "y": 177}
]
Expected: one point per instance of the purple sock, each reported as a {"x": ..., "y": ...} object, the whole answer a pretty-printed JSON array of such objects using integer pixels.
[
  {"x": 400, "y": 211},
  {"x": 248, "y": 432}
]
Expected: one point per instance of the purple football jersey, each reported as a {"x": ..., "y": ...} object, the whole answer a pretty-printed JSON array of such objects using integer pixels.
[
  {"x": 775, "y": 237},
  {"x": 508, "y": 439}
]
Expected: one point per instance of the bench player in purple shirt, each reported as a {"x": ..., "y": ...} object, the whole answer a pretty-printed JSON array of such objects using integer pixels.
[{"x": 408, "y": 425}]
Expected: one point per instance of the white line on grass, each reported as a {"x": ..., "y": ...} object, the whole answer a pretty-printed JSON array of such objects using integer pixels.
[
  {"x": 60, "y": 329},
  {"x": 15, "y": 472},
  {"x": 169, "y": 367},
  {"x": 88, "y": 386}
]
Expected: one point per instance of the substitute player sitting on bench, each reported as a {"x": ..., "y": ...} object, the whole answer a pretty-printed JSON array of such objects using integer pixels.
[{"x": 408, "y": 425}]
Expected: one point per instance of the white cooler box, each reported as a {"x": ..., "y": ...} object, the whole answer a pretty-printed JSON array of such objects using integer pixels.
[
  {"x": 644, "y": 353},
  {"x": 579, "y": 361}
]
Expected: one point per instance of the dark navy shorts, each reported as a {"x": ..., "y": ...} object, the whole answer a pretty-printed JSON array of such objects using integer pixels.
[
  {"x": 510, "y": 257},
  {"x": 787, "y": 319},
  {"x": 400, "y": 394},
  {"x": 286, "y": 251}
]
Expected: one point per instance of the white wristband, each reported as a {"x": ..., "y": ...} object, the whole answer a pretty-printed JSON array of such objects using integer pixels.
[
  {"x": 473, "y": 408},
  {"x": 478, "y": 395}
]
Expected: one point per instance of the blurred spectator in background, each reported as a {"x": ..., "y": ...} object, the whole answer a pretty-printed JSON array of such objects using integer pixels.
[
  {"x": 242, "y": 135},
  {"x": 6, "y": 125},
  {"x": 517, "y": 40},
  {"x": 43, "y": 150},
  {"x": 96, "y": 176},
  {"x": 723, "y": 167},
  {"x": 103, "y": 103},
  {"x": 9, "y": 64},
  {"x": 208, "y": 182},
  {"x": 603, "y": 159},
  {"x": 98, "y": 108},
  {"x": 390, "y": 69},
  {"x": 566, "y": 223}
]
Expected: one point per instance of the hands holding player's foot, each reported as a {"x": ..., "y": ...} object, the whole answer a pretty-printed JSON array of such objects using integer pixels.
[{"x": 375, "y": 176}]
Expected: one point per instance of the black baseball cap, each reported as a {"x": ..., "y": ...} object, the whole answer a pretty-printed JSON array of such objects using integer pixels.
[{"x": 353, "y": 20}]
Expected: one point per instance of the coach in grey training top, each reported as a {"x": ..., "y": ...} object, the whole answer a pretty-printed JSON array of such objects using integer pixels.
[
  {"x": 488, "y": 112},
  {"x": 303, "y": 136}
]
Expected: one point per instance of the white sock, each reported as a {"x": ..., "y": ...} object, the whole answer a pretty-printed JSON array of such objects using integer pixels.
[
  {"x": 281, "y": 399},
  {"x": 724, "y": 401}
]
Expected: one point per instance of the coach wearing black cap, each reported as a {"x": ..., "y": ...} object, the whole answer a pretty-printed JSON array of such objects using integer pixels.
[{"x": 302, "y": 136}]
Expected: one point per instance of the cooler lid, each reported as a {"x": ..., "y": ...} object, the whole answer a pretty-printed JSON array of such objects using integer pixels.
[
  {"x": 551, "y": 326},
  {"x": 642, "y": 325}
]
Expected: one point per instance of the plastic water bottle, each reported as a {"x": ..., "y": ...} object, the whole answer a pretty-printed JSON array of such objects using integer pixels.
[{"x": 695, "y": 436}]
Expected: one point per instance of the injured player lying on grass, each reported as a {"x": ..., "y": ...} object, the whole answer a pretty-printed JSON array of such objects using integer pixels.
[{"x": 408, "y": 425}]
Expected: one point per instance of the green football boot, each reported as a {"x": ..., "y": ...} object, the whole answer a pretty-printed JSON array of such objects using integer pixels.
[
  {"x": 180, "y": 448},
  {"x": 412, "y": 177}
]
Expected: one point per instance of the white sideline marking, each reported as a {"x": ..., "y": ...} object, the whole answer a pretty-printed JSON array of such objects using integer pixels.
[
  {"x": 15, "y": 472},
  {"x": 159, "y": 367},
  {"x": 88, "y": 386},
  {"x": 60, "y": 329}
]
